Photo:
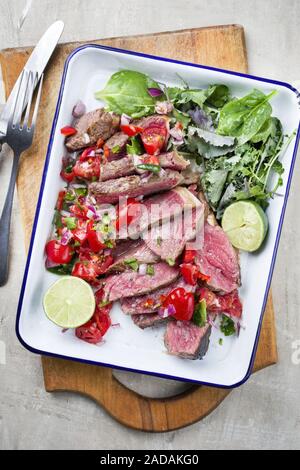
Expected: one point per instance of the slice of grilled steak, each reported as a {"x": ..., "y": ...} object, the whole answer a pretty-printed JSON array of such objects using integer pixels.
[
  {"x": 131, "y": 250},
  {"x": 115, "y": 146},
  {"x": 187, "y": 340},
  {"x": 169, "y": 239},
  {"x": 151, "y": 302},
  {"x": 91, "y": 127},
  {"x": 133, "y": 186},
  {"x": 155, "y": 120},
  {"x": 162, "y": 207},
  {"x": 125, "y": 166},
  {"x": 218, "y": 260},
  {"x": 146, "y": 321},
  {"x": 130, "y": 283}
]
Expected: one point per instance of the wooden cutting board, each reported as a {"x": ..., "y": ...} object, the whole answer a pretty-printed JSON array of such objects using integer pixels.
[{"x": 220, "y": 46}]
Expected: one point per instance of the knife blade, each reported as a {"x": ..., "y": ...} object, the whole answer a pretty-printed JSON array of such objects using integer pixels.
[{"x": 37, "y": 63}]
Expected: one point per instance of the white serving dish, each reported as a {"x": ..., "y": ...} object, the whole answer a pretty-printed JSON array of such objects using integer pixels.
[{"x": 86, "y": 70}]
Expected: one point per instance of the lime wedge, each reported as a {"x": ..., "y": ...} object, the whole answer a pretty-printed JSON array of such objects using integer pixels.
[
  {"x": 245, "y": 224},
  {"x": 69, "y": 302}
]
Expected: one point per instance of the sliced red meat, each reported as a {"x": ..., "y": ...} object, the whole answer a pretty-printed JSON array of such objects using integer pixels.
[
  {"x": 218, "y": 260},
  {"x": 187, "y": 340},
  {"x": 130, "y": 283},
  {"x": 155, "y": 120},
  {"x": 169, "y": 239},
  {"x": 227, "y": 303},
  {"x": 146, "y": 321},
  {"x": 115, "y": 146},
  {"x": 131, "y": 250},
  {"x": 162, "y": 207},
  {"x": 151, "y": 302},
  {"x": 125, "y": 166},
  {"x": 92, "y": 126}
]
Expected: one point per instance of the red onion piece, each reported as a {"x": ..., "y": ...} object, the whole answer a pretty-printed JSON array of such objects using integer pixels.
[
  {"x": 125, "y": 120},
  {"x": 66, "y": 236},
  {"x": 142, "y": 269},
  {"x": 154, "y": 92},
  {"x": 79, "y": 109},
  {"x": 167, "y": 312},
  {"x": 65, "y": 213},
  {"x": 50, "y": 264},
  {"x": 164, "y": 107}
]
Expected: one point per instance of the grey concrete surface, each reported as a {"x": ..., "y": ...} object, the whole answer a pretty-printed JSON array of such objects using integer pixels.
[{"x": 265, "y": 412}]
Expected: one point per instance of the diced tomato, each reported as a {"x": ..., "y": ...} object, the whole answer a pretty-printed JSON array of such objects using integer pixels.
[
  {"x": 183, "y": 303},
  {"x": 99, "y": 297},
  {"x": 87, "y": 167},
  {"x": 127, "y": 212},
  {"x": 150, "y": 160},
  {"x": 79, "y": 210},
  {"x": 94, "y": 238},
  {"x": 67, "y": 176},
  {"x": 189, "y": 273},
  {"x": 189, "y": 256},
  {"x": 89, "y": 332},
  {"x": 60, "y": 200},
  {"x": 87, "y": 153},
  {"x": 99, "y": 143},
  {"x": 131, "y": 130},
  {"x": 68, "y": 130},
  {"x": 80, "y": 232},
  {"x": 91, "y": 265},
  {"x": 58, "y": 253},
  {"x": 154, "y": 139}
]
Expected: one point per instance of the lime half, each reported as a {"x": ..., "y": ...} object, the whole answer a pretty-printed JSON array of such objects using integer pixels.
[
  {"x": 69, "y": 302},
  {"x": 245, "y": 224}
]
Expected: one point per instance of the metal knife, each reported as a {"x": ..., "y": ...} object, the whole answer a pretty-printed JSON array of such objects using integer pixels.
[{"x": 36, "y": 62}]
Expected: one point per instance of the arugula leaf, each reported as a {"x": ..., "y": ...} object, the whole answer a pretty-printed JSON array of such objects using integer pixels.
[
  {"x": 200, "y": 314},
  {"x": 227, "y": 326},
  {"x": 127, "y": 92},
  {"x": 244, "y": 117}
]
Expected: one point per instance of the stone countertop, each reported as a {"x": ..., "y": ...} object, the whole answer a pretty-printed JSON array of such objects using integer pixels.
[{"x": 265, "y": 412}]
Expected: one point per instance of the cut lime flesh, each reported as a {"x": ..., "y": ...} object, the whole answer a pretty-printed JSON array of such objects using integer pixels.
[
  {"x": 245, "y": 224},
  {"x": 69, "y": 302}
]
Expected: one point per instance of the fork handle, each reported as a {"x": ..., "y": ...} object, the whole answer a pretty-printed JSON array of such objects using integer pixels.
[{"x": 5, "y": 222}]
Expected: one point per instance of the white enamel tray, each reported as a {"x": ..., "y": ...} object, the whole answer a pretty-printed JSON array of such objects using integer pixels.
[{"x": 127, "y": 347}]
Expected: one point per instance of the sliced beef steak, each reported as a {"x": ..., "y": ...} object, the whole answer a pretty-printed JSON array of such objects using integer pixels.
[
  {"x": 130, "y": 283},
  {"x": 226, "y": 303},
  {"x": 169, "y": 239},
  {"x": 155, "y": 120},
  {"x": 131, "y": 250},
  {"x": 125, "y": 166},
  {"x": 91, "y": 127},
  {"x": 151, "y": 302},
  {"x": 146, "y": 321},
  {"x": 133, "y": 186},
  {"x": 162, "y": 207},
  {"x": 115, "y": 146},
  {"x": 219, "y": 260},
  {"x": 187, "y": 340}
]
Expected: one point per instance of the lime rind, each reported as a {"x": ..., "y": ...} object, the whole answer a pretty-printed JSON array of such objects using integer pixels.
[
  {"x": 69, "y": 302},
  {"x": 245, "y": 224}
]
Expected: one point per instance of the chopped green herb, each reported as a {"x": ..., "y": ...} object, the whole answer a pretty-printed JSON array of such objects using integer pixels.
[
  {"x": 200, "y": 314},
  {"x": 170, "y": 261},
  {"x": 57, "y": 219},
  {"x": 103, "y": 303},
  {"x": 221, "y": 341},
  {"x": 106, "y": 219},
  {"x": 159, "y": 241},
  {"x": 69, "y": 196},
  {"x": 132, "y": 263},
  {"x": 227, "y": 326},
  {"x": 81, "y": 191},
  {"x": 62, "y": 269},
  {"x": 70, "y": 222},
  {"x": 134, "y": 147},
  {"x": 116, "y": 149},
  {"x": 150, "y": 269},
  {"x": 149, "y": 167},
  {"x": 109, "y": 244},
  {"x": 68, "y": 169}
]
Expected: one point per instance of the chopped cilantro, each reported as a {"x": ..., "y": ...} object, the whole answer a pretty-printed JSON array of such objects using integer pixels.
[
  {"x": 227, "y": 326},
  {"x": 150, "y": 269},
  {"x": 200, "y": 314}
]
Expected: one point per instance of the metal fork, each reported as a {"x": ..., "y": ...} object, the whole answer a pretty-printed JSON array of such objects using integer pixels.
[{"x": 19, "y": 137}]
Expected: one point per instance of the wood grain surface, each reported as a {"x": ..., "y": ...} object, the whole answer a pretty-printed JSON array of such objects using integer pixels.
[{"x": 222, "y": 46}]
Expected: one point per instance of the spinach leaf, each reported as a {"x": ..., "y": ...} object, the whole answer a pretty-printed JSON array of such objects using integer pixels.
[
  {"x": 127, "y": 92},
  {"x": 218, "y": 95},
  {"x": 244, "y": 117}
]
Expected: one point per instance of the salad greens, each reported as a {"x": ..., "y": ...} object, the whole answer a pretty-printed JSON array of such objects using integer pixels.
[
  {"x": 126, "y": 92},
  {"x": 235, "y": 143}
]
